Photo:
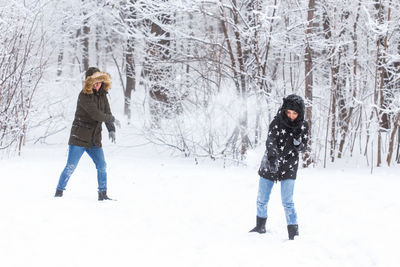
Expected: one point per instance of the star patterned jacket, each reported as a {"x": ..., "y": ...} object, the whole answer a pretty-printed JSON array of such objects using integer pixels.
[{"x": 280, "y": 147}]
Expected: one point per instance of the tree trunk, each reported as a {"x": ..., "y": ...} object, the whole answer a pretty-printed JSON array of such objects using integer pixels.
[
  {"x": 230, "y": 49},
  {"x": 243, "y": 84},
  {"x": 384, "y": 99},
  {"x": 351, "y": 109},
  {"x": 398, "y": 146},
  {"x": 130, "y": 77},
  {"x": 384, "y": 93},
  {"x": 164, "y": 101},
  {"x": 98, "y": 45},
  {"x": 259, "y": 79},
  {"x": 267, "y": 48},
  {"x": 130, "y": 61},
  {"x": 392, "y": 138},
  {"x": 60, "y": 55},
  {"x": 85, "y": 43},
  {"x": 60, "y": 60},
  {"x": 309, "y": 80},
  {"x": 333, "y": 84}
]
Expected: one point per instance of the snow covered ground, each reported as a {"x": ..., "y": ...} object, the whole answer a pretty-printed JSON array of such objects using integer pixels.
[{"x": 172, "y": 212}]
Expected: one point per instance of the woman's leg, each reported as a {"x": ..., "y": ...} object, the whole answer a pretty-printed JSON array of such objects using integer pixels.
[
  {"x": 287, "y": 188},
  {"x": 264, "y": 191},
  {"x": 74, "y": 155},
  {"x": 97, "y": 155}
]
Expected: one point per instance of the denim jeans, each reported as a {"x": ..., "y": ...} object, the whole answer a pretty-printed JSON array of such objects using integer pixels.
[
  {"x": 74, "y": 155},
  {"x": 264, "y": 191}
]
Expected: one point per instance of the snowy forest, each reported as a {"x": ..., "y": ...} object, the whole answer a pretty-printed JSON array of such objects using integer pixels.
[
  {"x": 206, "y": 77},
  {"x": 195, "y": 85}
]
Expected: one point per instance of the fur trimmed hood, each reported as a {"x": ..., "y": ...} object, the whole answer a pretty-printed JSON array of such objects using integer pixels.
[{"x": 95, "y": 78}]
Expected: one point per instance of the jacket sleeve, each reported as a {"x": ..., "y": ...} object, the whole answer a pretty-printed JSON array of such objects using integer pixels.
[
  {"x": 304, "y": 138},
  {"x": 90, "y": 107},
  {"x": 110, "y": 125},
  {"x": 271, "y": 143}
]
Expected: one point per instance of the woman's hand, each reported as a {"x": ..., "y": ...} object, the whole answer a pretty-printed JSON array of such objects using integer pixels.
[
  {"x": 111, "y": 135},
  {"x": 269, "y": 164},
  {"x": 297, "y": 136}
]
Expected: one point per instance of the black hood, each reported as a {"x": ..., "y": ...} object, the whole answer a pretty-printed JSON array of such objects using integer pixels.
[
  {"x": 296, "y": 103},
  {"x": 292, "y": 102}
]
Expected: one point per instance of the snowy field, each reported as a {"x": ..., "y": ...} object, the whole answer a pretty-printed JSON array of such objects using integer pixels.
[{"x": 172, "y": 212}]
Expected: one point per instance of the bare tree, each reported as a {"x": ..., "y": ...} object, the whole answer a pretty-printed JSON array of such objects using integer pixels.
[
  {"x": 85, "y": 40},
  {"x": 308, "y": 68},
  {"x": 129, "y": 19},
  {"x": 22, "y": 64}
]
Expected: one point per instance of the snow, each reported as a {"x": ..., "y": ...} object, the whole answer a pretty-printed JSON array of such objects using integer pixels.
[{"x": 171, "y": 211}]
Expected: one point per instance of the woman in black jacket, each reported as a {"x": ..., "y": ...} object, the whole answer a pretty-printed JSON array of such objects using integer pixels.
[
  {"x": 92, "y": 110},
  {"x": 287, "y": 137}
]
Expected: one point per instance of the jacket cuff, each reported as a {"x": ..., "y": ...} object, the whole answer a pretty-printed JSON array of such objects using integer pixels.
[{"x": 109, "y": 118}]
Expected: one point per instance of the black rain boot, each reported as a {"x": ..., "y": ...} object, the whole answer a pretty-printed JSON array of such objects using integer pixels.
[
  {"x": 260, "y": 226},
  {"x": 293, "y": 230},
  {"x": 103, "y": 196},
  {"x": 59, "y": 193}
]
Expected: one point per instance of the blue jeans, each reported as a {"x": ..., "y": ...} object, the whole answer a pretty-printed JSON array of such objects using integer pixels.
[
  {"x": 264, "y": 191},
  {"x": 74, "y": 155}
]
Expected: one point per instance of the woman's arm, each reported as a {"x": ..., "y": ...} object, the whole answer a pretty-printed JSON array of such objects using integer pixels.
[
  {"x": 110, "y": 125},
  {"x": 269, "y": 162},
  {"x": 300, "y": 142},
  {"x": 271, "y": 143}
]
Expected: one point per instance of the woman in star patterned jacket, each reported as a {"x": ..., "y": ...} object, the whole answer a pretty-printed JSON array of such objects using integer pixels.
[{"x": 287, "y": 137}]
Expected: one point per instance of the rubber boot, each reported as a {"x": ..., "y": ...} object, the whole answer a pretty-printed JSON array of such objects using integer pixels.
[
  {"x": 293, "y": 230},
  {"x": 103, "y": 196},
  {"x": 260, "y": 226},
  {"x": 59, "y": 193}
]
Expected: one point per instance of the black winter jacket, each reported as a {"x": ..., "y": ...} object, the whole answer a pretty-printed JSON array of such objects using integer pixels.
[
  {"x": 91, "y": 111},
  {"x": 280, "y": 147}
]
